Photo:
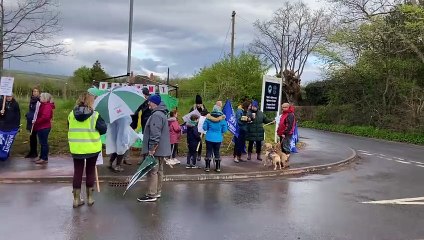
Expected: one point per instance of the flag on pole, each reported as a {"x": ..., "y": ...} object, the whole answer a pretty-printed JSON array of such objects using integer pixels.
[
  {"x": 294, "y": 140},
  {"x": 230, "y": 116}
]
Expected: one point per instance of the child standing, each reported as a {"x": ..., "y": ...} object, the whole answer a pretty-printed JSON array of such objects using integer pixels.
[
  {"x": 193, "y": 139},
  {"x": 174, "y": 132}
]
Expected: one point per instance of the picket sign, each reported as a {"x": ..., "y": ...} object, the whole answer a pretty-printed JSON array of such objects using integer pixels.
[{"x": 6, "y": 89}]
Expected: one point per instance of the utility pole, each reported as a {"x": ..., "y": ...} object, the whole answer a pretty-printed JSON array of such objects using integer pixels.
[
  {"x": 167, "y": 78},
  {"x": 130, "y": 38},
  {"x": 233, "y": 22}
]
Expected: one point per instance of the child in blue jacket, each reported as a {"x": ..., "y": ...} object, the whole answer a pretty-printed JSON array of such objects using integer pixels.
[{"x": 215, "y": 126}]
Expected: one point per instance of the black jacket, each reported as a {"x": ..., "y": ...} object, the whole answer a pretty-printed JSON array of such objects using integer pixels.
[
  {"x": 11, "y": 119},
  {"x": 193, "y": 137},
  {"x": 145, "y": 114},
  {"x": 82, "y": 113},
  {"x": 30, "y": 114}
]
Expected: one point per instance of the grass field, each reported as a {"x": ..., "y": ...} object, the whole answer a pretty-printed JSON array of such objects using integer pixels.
[{"x": 58, "y": 136}]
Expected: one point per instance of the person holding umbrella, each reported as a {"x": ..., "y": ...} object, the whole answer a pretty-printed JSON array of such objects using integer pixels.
[
  {"x": 157, "y": 143},
  {"x": 85, "y": 128}
]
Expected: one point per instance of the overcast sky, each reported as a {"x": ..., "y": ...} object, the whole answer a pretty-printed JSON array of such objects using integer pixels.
[{"x": 184, "y": 35}]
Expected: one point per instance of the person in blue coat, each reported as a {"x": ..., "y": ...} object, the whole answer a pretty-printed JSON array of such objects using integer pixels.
[{"x": 215, "y": 126}]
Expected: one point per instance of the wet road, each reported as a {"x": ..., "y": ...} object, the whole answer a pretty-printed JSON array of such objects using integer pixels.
[{"x": 324, "y": 206}]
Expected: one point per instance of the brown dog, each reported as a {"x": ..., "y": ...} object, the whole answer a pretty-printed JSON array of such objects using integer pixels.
[
  {"x": 272, "y": 156},
  {"x": 284, "y": 157}
]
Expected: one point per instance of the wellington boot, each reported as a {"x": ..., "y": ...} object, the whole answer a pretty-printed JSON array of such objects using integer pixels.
[
  {"x": 90, "y": 198},
  {"x": 77, "y": 198}
]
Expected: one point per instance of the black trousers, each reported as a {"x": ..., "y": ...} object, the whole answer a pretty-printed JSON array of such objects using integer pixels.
[
  {"x": 258, "y": 146},
  {"x": 33, "y": 143}
]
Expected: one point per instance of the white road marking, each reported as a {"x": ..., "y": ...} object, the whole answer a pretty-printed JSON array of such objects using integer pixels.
[
  {"x": 368, "y": 154},
  {"x": 401, "y": 201},
  {"x": 417, "y": 162},
  {"x": 420, "y": 166},
  {"x": 399, "y": 158},
  {"x": 403, "y": 162}
]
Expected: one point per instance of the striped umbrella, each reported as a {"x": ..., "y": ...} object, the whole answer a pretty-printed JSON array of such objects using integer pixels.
[{"x": 118, "y": 102}]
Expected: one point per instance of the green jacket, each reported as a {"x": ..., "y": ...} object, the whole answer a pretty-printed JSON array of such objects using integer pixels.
[{"x": 255, "y": 128}]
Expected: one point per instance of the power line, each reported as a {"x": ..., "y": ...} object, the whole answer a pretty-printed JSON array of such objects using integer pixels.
[{"x": 226, "y": 37}]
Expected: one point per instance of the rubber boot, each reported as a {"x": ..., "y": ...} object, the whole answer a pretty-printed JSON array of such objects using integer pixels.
[
  {"x": 90, "y": 197},
  {"x": 111, "y": 160},
  {"x": 218, "y": 165},
  {"x": 118, "y": 167},
  {"x": 207, "y": 165},
  {"x": 249, "y": 156},
  {"x": 77, "y": 198},
  {"x": 259, "y": 158}
]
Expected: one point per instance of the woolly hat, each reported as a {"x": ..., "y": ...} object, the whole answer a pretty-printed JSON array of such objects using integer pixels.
[
  {"x": 154, "y": 99},
  {"x": 255, "y": 104},
  {"x": 145, "y": 91},
  {"x": 216, "y": 110},
  {"x": 199, "y": 99}
]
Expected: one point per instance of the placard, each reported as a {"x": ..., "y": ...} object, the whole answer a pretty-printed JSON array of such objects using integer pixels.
[
  {"x": 103, "y": 85},
  {"x": 6, "y": 86},
  {"x": 163, "y": 89}
]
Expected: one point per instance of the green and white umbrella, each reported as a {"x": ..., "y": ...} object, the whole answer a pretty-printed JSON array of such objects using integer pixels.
[{"x": 118, "y": 102}]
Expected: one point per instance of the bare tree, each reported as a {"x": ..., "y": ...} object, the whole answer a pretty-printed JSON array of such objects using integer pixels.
[
  {"x": 288, "y": 39},
  {"x": 28, "y": 28}
]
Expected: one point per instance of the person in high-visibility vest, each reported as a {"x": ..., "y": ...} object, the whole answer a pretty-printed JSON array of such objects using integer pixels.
[{"x": 85, "y": 128}]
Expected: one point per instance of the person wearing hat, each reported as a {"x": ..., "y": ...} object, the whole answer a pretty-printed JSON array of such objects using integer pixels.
[
  {"x": 156, "y": 143},
  {"x": 145, "y": 111},
  {"x": 199, "y": 106},
  {"x": 255, "y": 130}
]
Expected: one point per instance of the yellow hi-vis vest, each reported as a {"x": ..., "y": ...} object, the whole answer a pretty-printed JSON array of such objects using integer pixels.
[{"x": 83, "y": 137}]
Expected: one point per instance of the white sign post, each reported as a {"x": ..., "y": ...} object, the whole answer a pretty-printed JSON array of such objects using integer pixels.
[{"x": 271, "y": 97}]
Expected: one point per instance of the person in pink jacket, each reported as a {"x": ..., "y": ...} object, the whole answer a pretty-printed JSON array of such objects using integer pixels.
[
  {"x": 43, "y": 125},
  {"x": 174, "y": 132}
]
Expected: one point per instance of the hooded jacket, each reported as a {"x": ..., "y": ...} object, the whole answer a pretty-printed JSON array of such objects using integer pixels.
[
  {"x": 156, "y": 134},
  {"x": 45, "y": 116},
  {"x": 31, "y": 111},
  {"x": 11, "y": 118},
  {"x": 215, "y": 126},
  {"x": 193, "y": 136},
  {"x": 82, "y": 113},
  {"x": 174, "y": 130},
  {"x": 255, "y": 128},
  {"x": 287, "y": 123},
  {"x": 145, "y": 114}
]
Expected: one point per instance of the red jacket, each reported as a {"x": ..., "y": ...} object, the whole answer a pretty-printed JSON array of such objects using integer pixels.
[
  {"x": 287, "y": 122},
  {"x": 174, "y": 130},
  {"x": 44, "y": 116}
]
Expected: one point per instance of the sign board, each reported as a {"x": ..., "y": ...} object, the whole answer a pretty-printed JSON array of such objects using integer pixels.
[
  {"x": 271, "y": 97},
  {"x": 271, "y": 91},
  {"x": 103, "y": 85},
  {"x": 152, "y": 88},
  {"x": 163, "y": 89},
  {"x": 6, "y": 86}
]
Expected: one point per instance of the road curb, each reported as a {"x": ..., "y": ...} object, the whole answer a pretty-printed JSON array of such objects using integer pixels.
[{"x": 200, "y": 177}]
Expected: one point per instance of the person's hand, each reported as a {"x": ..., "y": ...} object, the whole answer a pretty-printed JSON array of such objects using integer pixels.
[
  {"x": 151, "y": 153},
  {"x": 273, "y": 122},
  {"x": 2, "y": 112}
]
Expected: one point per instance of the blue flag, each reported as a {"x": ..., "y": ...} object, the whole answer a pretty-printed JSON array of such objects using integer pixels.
[
  {"x": 230, "y": 116},
  {"x": 294, "y": 140},
  {"x": 6, "y": 141}
]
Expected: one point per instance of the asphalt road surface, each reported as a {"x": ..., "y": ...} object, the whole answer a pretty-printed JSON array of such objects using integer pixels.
[{"x": 381, "y": 196}]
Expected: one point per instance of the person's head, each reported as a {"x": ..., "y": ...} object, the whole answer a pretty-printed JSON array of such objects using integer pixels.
[
  {"x": 173, "y": 113},
  {"x": 85, "y": 100},
  {"x": 219, "y": 103},
  {"x": 255, "y": 105},
  {"x": 194, "y": 118},
  {"x": 145, "y": 92},
  {"x": 36, "y": 92},
  {"x": 285, "y": 107},
  {"x": 46, "y": 97},
  {"x": 199, "y": 101},
  {"x": 244, "y": 99},
  {"x": 9, "y": 98},
  {"x": 154, "y": 101},
  {"x": 245, "y": 105}
]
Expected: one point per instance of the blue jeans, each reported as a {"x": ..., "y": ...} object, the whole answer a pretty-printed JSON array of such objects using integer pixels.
[{"x": 43, "y": 136}]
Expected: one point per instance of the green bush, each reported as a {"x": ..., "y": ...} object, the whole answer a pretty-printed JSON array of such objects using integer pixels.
[{"x": 367, "y": 131}]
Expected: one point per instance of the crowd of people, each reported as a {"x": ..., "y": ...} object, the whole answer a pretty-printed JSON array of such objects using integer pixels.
[{"x": 161, "y": 130}]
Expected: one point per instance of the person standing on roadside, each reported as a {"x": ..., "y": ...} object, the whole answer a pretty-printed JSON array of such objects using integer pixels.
[
  {"x": 156, "y": 143},
  {"x": 35, "y": 98},
  {"x": 85, "y": 128},
  {"x": 255, "y": 130},
  {"x": 286, "y": 127},
  {"x": 201, "y": 108},
  {"x": 215, "y": 126},
  {"x": 174, "y": 132},
  {"x": 43, "y": 126}
]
